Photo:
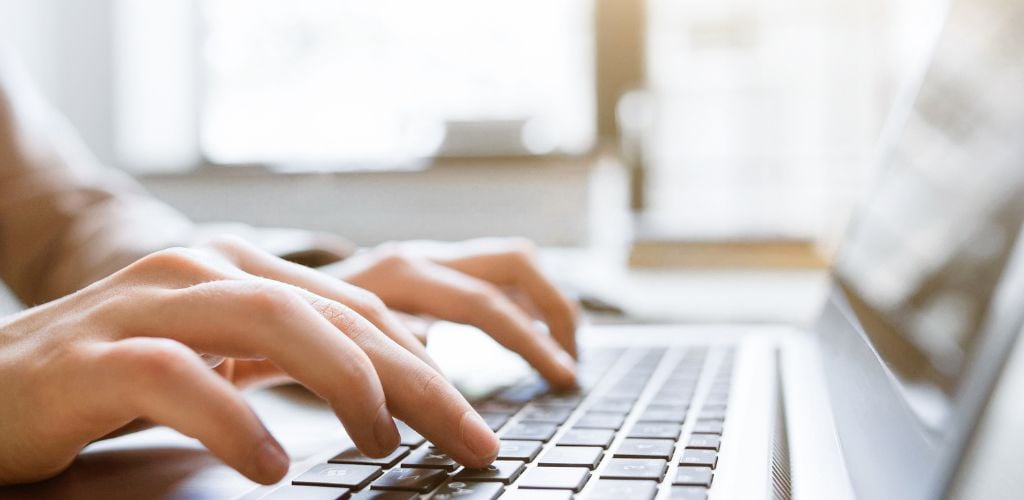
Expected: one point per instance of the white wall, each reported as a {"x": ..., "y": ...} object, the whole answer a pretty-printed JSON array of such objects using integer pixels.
[
  {"x": 27, "y": 29},
  {"x": 68, "y": 47}
]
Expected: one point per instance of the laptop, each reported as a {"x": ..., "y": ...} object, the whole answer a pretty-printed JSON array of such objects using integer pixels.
[
  {"x": 880, "y": 400},
  {"x": 888, "y": 395}
]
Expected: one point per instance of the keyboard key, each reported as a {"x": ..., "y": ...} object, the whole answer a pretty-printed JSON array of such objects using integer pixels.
[
  {"x": 385, "y": 495},
  {"x": 354, "y": 456},
  {"x": 627, "y": 391},
  {"x": 409, "y": 437},
  {"x": 502, "y": 471},
  {"x": 468, "y": 491},
  {"x": 720, "y": 386},
  {"x": 635, "y": 468},
  {"x": 635, "y": 380},
  {"x": 613, "y": 489},
  {"x": 708, "y": 427},
  {"x": 555, "y": 478},
  {"x": 522, "y": 393},
  {"x": 567, "y": 400},
  {"x": 530, "y": 431},
  {"x": 654, "y": 430},
  {"x": 687, "y": 389},
  {"x": 348, "y": 475},
  {"x": 549, "y": 414},
  {"x": 677, "y": 389},
  {"x": 688, "y": 493},
  {"x": 587, "y": 437},
  {"x": 419, "y": 480},
  {"x": 494, "y": 406},
  {"x": 538, "y": 495},
  {"x": 656, "y": 415},
  {"x": 674, "y": 408},
  {"x": 573, "y": 456},
  {"x": 290, "y": 492},
  {"x": 712, "y": 414},
  {"x": 600, "y": 421},
  {"x": 613, "y": 406},
  {"x": 519, "y": 450},
  {"x": 429, "y": 457},
  {"x": 670, "y": 400},
  {"x": 621, "y": 395},
  {"x": 704, "y": 458},
  {"x": 646, "y": 448},
  {"x": 495, "y": 420},
  {"x": 693, "y": 476},
  {"x": 686, "y": 376},
  {"x": 685, "y": 396},
  {"x": 705, "y": 441}
]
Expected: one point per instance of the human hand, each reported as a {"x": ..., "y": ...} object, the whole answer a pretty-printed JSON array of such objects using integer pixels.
[
  {"x": 493, "y": 284},
  {"x": 78, "y": 368}
]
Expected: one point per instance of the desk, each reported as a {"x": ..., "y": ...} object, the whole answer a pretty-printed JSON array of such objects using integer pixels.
[{"x": 692, "y": 295}]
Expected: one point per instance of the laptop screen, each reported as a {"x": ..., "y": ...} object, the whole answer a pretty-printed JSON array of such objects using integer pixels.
[{"x": 924, "y": 255}]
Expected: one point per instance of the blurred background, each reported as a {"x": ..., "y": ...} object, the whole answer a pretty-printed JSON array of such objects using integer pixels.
[{"x": 572, "y": 122}]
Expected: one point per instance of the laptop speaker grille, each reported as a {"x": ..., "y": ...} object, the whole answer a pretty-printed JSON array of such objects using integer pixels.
[{"x": 782, "y": 486}]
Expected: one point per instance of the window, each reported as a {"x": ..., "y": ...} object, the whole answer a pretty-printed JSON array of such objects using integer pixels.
[
  {"x": 351, "y": 83},
  {"x": 768, "y": 113}
]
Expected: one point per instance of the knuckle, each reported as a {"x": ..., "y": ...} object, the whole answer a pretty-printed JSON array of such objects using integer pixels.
[
  {"x": 434, "y": 386},
  {"x": 368, "y": 304},
  {"x": 270, "y": 300},
  {"x": 342, "y": 317},
  {"x": 360, "y": 330},
  {"x": 170, "y": 259},
  {"x": 484, "y": 297},
  {"x": 154, "y": 359},
  {"x": 109, "y": 311},
  {"x": 522, "y": 247},
  {"x": 229, "y": 247},
  {"x": 393, "y": 256},
  {"x": 331, "y": 310},
  {"x": 226, "y": 242}
]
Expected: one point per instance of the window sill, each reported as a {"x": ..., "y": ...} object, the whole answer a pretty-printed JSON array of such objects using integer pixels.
[{"x": 445, "y": 164}]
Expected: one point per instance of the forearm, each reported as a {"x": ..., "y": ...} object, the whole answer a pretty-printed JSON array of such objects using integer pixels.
[{"x": 65, "y": 220}]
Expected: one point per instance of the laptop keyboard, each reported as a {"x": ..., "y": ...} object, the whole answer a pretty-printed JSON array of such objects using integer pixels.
[{"x": 646, "y": 422}]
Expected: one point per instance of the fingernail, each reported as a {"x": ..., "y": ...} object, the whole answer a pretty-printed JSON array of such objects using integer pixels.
[
  {"x": 385, "y": 432},
  {"x": 478, "y": 437},
  {"x": 273, "y": 461}
]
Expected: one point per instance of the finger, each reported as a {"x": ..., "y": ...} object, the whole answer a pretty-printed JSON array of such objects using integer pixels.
[
  {"x": 255, "y": 261},
  {"x": 448, "y": 294},
  {"x": 165, "y": 382},
  {"x": 559, "y": 312},
  {"x": 419, "y": 395},
  {"x": 259, "y": 318},
  {"x": 505, "y": 263}
]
